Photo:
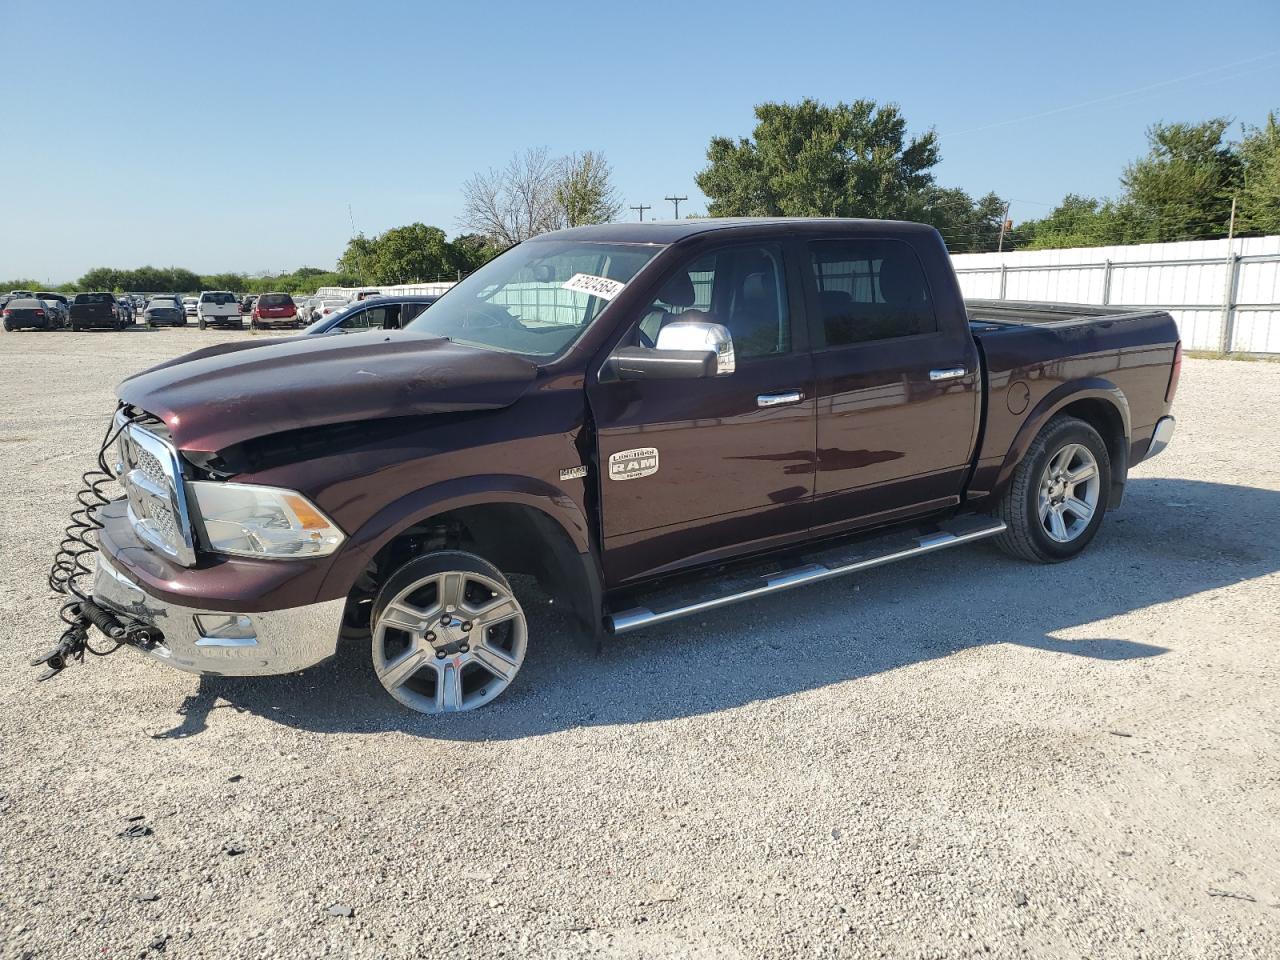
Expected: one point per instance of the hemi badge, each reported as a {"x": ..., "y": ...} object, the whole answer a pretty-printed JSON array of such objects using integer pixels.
[{"x": 573, "y": 473}]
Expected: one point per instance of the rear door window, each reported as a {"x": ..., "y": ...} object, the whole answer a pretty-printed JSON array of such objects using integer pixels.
[{"x": 869, "y": 290}]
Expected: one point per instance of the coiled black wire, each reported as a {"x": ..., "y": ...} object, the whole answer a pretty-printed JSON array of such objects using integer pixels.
[{"x": 79, "y": 542}]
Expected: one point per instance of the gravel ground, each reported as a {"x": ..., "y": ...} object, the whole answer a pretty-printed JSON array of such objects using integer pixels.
[{"x": 962, "y": 756}]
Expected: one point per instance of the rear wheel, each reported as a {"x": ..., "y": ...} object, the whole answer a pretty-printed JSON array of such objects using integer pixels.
[
  {"x": 448, "y": 633},
  {"x": 1054, "y": 505}
]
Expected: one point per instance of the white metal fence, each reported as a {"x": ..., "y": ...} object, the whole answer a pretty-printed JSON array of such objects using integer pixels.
[
  {"x": 391, "y": 290},
  {"x": 1222, "y": 298}
]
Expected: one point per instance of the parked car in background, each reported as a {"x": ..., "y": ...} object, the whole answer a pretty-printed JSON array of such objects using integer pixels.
[
  {"x": 16, "y": 295},
  {"x": 58, "y": 303},
  {"x": 274, "y": 310},
  {"x": 125, "y": 308},
  {"x": 190, "y": 306},
  {"x": 377, "y": 313},
  {"x": 329, "y": 306},
  {"x": 246, "y": 305},
  {"x": 95, "y": 310},
  {"x": 219, "y": 308},
  {"x": 164, "y": 312},
  {"x": 307, "y": 309},
  {"x": 29, "y": 313}
]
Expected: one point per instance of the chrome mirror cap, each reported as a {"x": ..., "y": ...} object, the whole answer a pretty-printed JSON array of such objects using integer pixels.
[{"x": 699, "y": 336}]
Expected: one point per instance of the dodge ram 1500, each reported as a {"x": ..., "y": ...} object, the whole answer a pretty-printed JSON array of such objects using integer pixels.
[{"x": 652, "y": 419}]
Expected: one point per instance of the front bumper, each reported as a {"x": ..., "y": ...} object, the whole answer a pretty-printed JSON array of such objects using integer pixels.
[{"x": 282, "y": 641}]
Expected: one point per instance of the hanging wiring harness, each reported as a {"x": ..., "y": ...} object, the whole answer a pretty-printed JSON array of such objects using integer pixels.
[{"x": 73, "y": 561}]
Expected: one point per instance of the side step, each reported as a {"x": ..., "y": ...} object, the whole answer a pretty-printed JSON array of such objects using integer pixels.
[{"x": 824, "y": 565}]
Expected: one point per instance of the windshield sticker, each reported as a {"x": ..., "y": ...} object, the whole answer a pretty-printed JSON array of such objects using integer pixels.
[{"x": 601, "y": 287}]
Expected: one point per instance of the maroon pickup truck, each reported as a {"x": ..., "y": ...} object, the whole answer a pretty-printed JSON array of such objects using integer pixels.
[{"x": 653, "y": 420}]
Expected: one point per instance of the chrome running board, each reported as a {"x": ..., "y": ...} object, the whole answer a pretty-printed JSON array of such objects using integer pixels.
[{"x": 822, "y": 566}]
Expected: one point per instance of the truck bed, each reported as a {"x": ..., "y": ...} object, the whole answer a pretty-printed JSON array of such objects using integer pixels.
[
  {"x": 998, "y": 313},
  {"x": 1033, "y": 352}
]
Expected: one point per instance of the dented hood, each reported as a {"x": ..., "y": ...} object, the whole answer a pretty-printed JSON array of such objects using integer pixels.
[{"x": 225, "y": 394}]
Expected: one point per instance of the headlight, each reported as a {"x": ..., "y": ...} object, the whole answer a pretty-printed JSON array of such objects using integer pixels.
[{"x": 247, "y": 520}]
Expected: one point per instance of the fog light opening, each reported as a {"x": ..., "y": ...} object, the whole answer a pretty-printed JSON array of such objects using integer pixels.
[{"x": 226, "y": 626}]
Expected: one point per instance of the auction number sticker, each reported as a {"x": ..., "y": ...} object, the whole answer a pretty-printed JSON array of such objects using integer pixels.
[{"x": 601, "y": 287}]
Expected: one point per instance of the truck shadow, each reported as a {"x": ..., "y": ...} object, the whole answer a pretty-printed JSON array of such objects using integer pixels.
[{"x": 1172, "y": 539}]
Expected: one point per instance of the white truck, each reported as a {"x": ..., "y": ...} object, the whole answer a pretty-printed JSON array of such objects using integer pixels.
[{"x": 218, "y": 308}]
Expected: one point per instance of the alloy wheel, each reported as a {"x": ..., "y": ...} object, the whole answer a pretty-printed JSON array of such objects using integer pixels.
[
  {"x": 450, "y": 641},
  {"x": 1069, "y": 492}
]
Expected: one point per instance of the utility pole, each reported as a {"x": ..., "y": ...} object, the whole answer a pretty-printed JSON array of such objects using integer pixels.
[
  {"x": 642, "y": 208},
  {"x": 1004, "y": 222},
  {"x": 676, "y": 201}
]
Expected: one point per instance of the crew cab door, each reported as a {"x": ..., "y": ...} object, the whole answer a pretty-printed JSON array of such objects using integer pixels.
[
  {"x": 897, "y": 383},
  {"x": 695, "y": 469}
]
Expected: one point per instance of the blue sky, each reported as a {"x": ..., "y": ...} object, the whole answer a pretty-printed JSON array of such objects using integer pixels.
[{"x": 233, "y": 136}]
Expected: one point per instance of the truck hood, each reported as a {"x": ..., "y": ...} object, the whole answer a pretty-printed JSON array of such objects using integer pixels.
[{"x": 226, "y": 394}]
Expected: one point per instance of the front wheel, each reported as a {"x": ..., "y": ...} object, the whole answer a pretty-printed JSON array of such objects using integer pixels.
[
  {"x": 200, "y": 323},
  {"x": 448, "y": 633},
  {"x": 1055, "y": 502}
]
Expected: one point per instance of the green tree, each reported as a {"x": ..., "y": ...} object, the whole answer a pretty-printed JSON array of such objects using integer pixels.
[
  {"x": 235, "y": 282},
  {"x": 584, "y": 190},
  {"x": 810, "y": 159},
  {"x": 968, "y": 225},
  {"x": 1259, "y": 201},
  {"x": 99, "y": 278},
  {"x": 412, "y": 253},
  {"x": 359, "y": 257},
  {"x": 470, "y": 252},
  {"x": 1182, "y": 188}
]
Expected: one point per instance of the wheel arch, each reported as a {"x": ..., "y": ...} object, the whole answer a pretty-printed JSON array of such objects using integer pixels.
[
  {"x": 519, "y": 524},
  {"x": 1096, "y": 401}
]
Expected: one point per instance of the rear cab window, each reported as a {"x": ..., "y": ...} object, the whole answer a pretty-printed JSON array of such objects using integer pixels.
[{"x": 868, "y": 290}]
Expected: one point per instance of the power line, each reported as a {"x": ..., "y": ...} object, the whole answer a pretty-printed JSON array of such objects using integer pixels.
[
  {"x": 676, "y": 201},
  {"x": 642, "y": 208},
  {"x": 1113, "y": 96}
]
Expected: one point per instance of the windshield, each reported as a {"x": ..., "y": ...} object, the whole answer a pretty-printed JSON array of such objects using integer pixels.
[
  {"x": 162, "y": 303},
  {"x": 537, "y": 298},
  {"x": 94, "y": 298}
]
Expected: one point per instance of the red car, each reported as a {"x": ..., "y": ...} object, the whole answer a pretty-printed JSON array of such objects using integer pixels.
[{"x": 274, "y": 310}]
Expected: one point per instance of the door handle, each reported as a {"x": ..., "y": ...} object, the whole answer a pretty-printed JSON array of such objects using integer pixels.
[
  {"x": 949, "y": 373},
  {"x": 778, "y": 399}
]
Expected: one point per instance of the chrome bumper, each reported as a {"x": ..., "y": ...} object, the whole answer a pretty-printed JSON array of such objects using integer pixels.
[
  {"x": 1162, "y": 436},
  {"x": 282, "y": 641}
]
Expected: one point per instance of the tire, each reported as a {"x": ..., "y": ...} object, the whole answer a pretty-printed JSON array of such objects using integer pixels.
[
  {"x": 75, "y": 328},
  {"x": 1065, "y": 444},
  {"x": 200, "y": 323},
  {"x": 448, "y": 634},
  {"x": 7, "y": 328}
]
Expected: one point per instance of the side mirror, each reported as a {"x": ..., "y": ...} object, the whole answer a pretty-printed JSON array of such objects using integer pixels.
[{"x": 686, "y": 349}]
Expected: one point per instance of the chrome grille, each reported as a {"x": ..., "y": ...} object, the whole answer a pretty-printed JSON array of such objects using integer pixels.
[{"x": 151, "y": 474}]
